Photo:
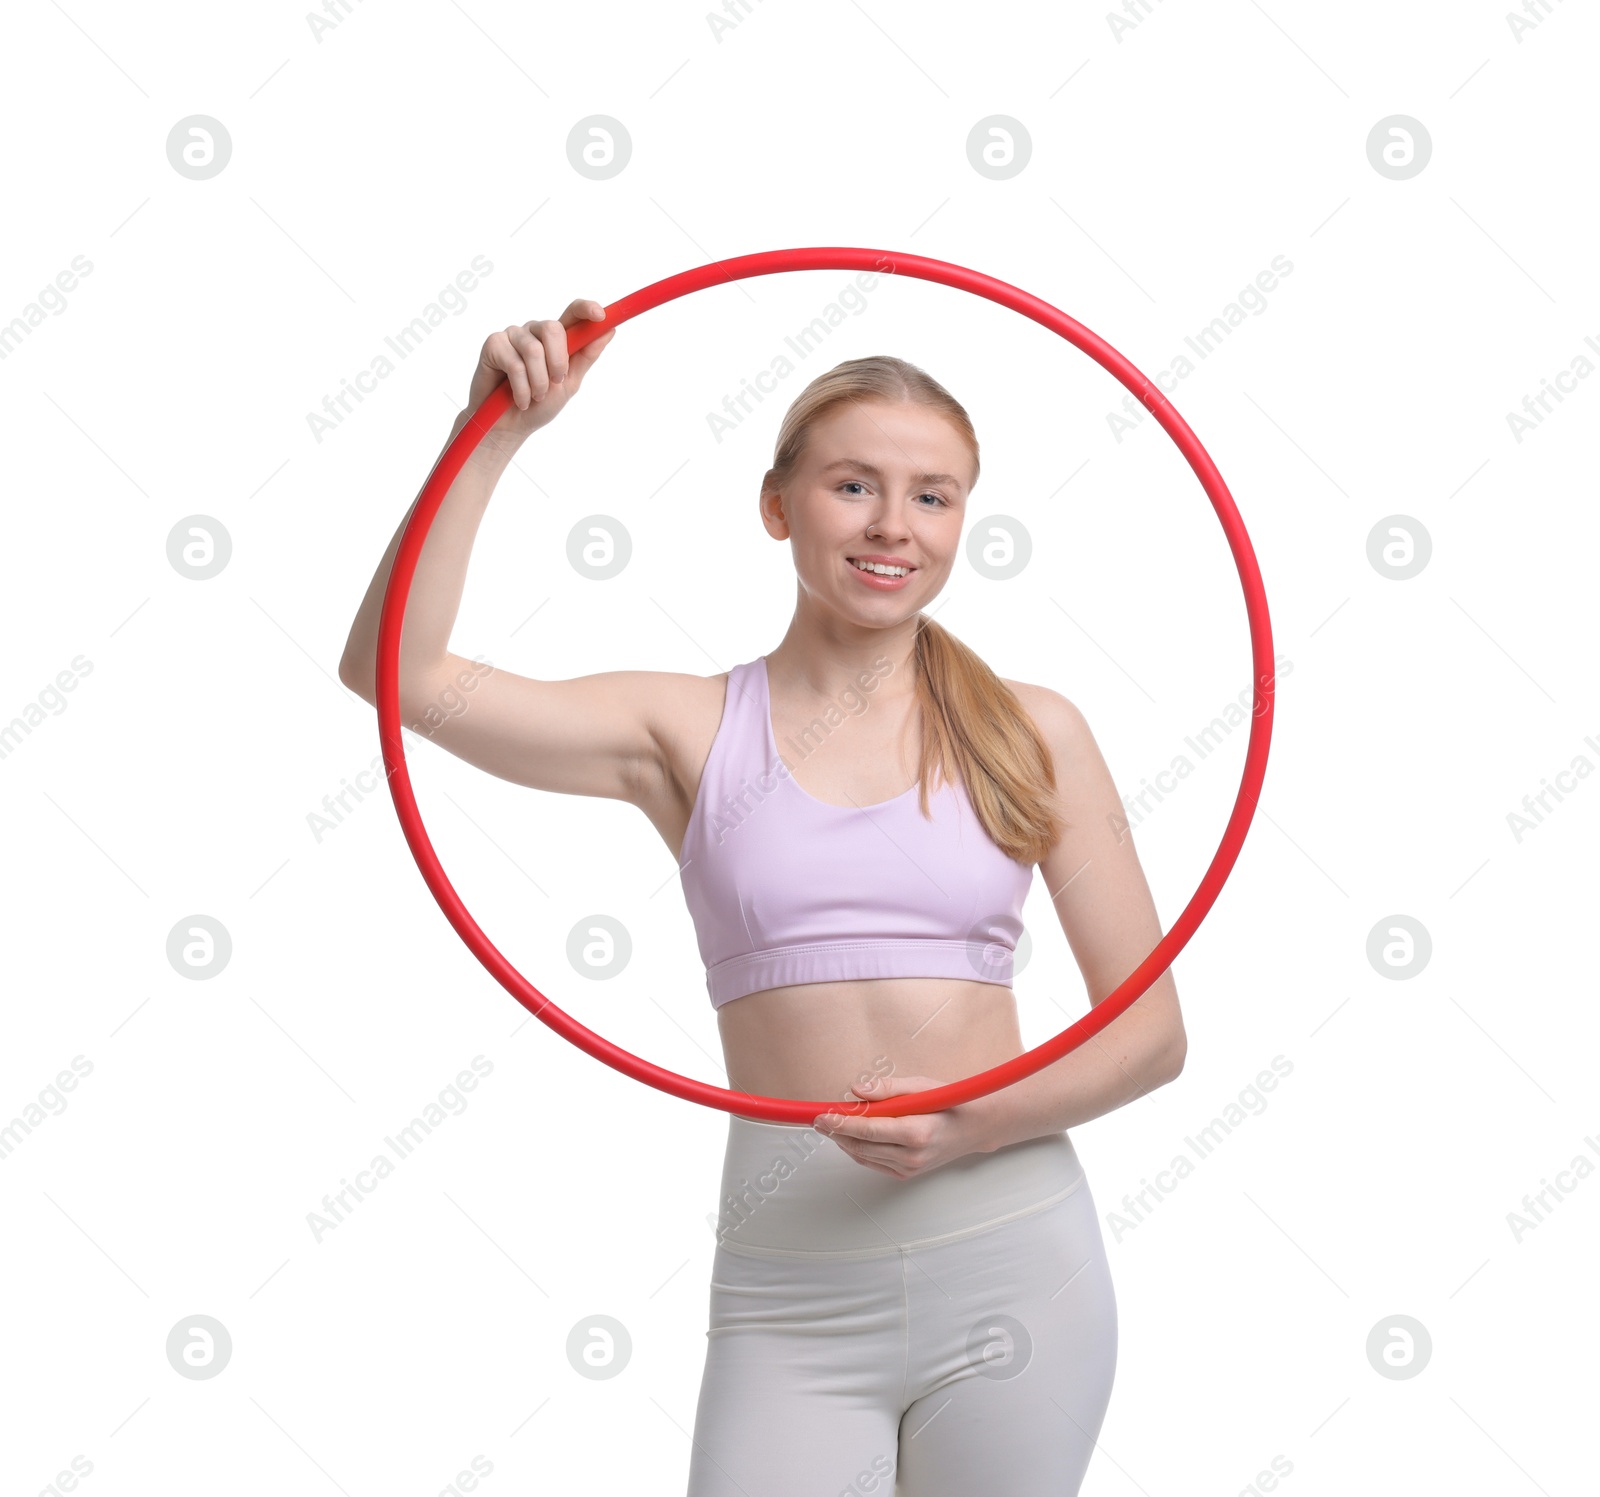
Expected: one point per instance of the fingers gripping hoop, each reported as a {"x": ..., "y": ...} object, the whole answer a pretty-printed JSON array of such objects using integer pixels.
[{"x": 776, "y": 1109}]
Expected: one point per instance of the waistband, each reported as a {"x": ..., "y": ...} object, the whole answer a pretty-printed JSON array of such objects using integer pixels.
[
  {"x": 841, "y": 961},
  {"x": 787, "y": 1189}
]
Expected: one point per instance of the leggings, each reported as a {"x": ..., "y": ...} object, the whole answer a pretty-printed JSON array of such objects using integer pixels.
[{"x": 942, "y": 1336}]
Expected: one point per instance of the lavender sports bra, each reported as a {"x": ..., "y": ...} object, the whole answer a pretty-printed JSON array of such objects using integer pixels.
[{"x": 786, "y": 889}]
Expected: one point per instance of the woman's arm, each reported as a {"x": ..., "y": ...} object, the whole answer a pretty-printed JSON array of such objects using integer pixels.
[
  {"x": 1104, "y": 904},
  {"x": 533, "y": 358},
  {"x": 595, "y": 735},
  {"x": 1108, "y": 915},
  {"x": 436, "y": 588}
]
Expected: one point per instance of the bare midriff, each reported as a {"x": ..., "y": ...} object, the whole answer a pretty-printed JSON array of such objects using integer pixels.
[{"x": 814, "y": 1040}]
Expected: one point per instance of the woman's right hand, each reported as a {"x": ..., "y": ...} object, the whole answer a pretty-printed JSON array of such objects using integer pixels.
[{"x": 533, "y": 358}]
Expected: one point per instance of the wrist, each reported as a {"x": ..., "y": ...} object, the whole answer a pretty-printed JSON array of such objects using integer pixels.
[
  {"x": 494, "y": 452},
  {"x": 986, "y": 1123}
]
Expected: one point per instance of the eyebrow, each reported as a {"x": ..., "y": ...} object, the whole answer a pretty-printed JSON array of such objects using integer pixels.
[{"x": 877, "y": 472}]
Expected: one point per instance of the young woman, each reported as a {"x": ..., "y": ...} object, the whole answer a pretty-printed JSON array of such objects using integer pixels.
[{"x": 917, "y": 1304}]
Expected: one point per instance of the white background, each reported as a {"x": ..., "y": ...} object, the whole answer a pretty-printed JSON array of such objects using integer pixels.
[{"x": 1168, "y": 167}]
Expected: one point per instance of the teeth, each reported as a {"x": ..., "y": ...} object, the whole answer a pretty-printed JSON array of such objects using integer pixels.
[{"x": 880, "y": 568}]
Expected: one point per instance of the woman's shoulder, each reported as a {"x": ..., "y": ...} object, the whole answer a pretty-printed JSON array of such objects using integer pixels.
[
  {"x": 1050, "y": 710},
  {"x": 1061, "y": 724}
]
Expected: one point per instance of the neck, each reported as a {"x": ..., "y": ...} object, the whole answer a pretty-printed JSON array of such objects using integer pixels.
[{"x": 824, "y": 655}]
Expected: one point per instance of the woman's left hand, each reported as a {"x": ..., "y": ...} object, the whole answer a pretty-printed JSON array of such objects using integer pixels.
[{"x": 906, "y": 1146}]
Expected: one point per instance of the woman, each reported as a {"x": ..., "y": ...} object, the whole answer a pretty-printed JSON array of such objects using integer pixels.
[{"x": 917, "y": 1304}]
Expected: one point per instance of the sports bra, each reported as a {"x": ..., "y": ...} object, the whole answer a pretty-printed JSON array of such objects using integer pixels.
[{"x": 785, "y": 889}]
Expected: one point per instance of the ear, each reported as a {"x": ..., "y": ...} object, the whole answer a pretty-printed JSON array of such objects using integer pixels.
[{"x": 770, "y": 506}]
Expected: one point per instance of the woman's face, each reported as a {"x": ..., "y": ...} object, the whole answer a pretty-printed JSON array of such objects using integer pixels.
[{"x": 879, "y": 482}]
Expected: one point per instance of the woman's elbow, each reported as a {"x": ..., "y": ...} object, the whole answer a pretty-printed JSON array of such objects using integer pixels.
[
  {"x": 1176, "y": 1052},
  {"x": 358, "y": 679}
]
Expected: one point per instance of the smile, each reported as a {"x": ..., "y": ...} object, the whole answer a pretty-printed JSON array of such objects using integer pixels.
[{"x": 882, "y": 576}]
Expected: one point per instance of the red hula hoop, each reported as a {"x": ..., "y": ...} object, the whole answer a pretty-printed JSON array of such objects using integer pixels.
[{"x": 776, "y": 1109}]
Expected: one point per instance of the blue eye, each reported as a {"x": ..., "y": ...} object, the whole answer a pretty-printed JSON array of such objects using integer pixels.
[{"x": 852, "y": 483}]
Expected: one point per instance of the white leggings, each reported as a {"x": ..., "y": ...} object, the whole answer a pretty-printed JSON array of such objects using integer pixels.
[{"x": 942, "y": 1336}]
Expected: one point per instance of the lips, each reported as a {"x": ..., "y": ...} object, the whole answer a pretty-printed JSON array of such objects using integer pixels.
[
  {"x": 887, "y": 561},
  {"x": 878, "y": 580}
]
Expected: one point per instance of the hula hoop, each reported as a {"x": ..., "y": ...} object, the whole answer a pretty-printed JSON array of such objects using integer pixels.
[{"x": 779, "y": 1109}]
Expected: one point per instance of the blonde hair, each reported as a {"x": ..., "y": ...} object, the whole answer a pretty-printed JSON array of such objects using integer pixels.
[{"x": 975, "y": 729}]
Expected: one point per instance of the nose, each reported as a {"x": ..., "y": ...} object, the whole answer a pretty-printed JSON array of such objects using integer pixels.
[{"x": 890, "y": 522}]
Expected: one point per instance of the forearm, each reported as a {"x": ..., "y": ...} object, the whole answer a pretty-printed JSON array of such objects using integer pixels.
[
  {"x": 1135, "y": 1053},
  {"x": 440, "y": 577}
]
